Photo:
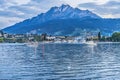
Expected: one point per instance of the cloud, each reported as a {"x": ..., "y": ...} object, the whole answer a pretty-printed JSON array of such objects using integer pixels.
[
  {"x": 113, "y": 3},
  {"x": 24, "y": 9},
  {"x": 10, "y": 16},
  {"x": 46, "y": 4},
  {"x": 109, "y": 9},
  {"x": 8, "y": 21}
]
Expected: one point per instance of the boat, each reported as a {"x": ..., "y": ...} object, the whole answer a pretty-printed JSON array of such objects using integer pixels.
[
  {"x": 32, "y": 44},
  {"x": 83, "y": 41},
  {"x": 92, "y": 43}
]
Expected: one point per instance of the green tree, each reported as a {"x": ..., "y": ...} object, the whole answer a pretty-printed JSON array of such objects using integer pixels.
[
  {"x": 99, "y": 36},
  {"x": 1, "y": 40},
  {"x": 116, "y": 36}
]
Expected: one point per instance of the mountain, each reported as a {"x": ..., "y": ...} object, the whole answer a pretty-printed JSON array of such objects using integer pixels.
[
  {"x": 64, "y": 20},
  {"x": 76, "y": 27}
]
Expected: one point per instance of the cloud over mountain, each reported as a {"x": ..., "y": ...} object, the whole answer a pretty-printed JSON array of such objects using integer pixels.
[
  {"x": 24, "y": 9},
  {"x": 109, "y": 9}
]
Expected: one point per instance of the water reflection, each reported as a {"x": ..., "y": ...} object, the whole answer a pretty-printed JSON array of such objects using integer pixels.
[{"x": 60, "y": 62}]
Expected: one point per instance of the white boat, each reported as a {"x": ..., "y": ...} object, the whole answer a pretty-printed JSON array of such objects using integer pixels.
[
  {"x": 92, "y": 43},
  {"x": 57, "y": 41},
  {"x": 83, "y": 41},
  {"x": 32, "y": 44}
]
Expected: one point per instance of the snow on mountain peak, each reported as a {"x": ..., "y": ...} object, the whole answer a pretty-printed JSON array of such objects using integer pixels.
[
  {"x": 69, "y": 12},
  {"x": 64, "y": 7},
  {"x": 57, "y": 13}
]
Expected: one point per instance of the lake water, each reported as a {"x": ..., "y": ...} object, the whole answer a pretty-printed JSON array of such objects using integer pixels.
[{"x": 60, "y": 62}]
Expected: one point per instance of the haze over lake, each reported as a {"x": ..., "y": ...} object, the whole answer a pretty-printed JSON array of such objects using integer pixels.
[{"x": 60, "y": 62}]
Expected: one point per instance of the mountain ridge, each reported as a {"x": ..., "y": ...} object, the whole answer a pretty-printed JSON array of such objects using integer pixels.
[{"x": 59, "y": 14}]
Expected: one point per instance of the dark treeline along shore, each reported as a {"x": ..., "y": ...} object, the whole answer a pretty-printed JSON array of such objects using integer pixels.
[{"x": 24, "y": 38}]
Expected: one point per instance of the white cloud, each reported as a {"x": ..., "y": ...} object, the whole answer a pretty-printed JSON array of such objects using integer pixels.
[
  {"x": 12, "y": 11},
  {"x": 7, "y": 21},
  {"x": 74, "y": 3},
  {"x": 108, "y": 16},
  {"x": 109, "y": 9},
  {"x": 18, "y": 2}
]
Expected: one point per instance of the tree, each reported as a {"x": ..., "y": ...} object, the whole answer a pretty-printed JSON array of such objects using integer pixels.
[
  {"x": 43, "y": 36},
  {"x": 116, "y": 36},
  {"x": 1, "y": 40},
  {"x": 1, "y": 32},
  {"x": 99, "y": 36}
]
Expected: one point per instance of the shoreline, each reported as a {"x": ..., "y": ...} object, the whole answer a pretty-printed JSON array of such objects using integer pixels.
[{"x": 64, "y": 43}]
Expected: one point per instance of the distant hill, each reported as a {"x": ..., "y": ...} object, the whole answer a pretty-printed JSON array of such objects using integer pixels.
[{"x": 65, "y": 20}]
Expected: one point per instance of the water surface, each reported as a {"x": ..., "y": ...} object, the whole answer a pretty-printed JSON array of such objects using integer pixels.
[{"x": 60, "y": 62}]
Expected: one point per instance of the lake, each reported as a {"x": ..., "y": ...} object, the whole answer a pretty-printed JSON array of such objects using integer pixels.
[{"x": 60, "y": 62}]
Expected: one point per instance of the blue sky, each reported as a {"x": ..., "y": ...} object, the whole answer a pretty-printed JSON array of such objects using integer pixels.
[{"x": 13, "y": 11}]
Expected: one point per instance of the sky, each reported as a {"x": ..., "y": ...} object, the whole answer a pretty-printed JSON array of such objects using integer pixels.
[{"x": 14, "y": 11}]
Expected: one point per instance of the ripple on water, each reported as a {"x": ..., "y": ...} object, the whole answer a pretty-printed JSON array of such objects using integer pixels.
[{"x": 60, "y": 62}]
